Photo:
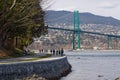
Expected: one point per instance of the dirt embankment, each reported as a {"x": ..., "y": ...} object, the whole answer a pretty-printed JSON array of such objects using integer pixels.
[{"x": 4, "y": 54}]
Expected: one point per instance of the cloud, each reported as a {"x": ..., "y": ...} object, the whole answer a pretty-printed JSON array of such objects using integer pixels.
[{"x": 108, "y": 5}]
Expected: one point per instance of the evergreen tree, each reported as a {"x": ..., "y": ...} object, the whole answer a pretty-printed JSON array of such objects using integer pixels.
[{"x": 20, "y": 21}]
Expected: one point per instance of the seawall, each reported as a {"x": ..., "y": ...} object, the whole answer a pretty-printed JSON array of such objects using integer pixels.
[{"x": 50, "y": 69}]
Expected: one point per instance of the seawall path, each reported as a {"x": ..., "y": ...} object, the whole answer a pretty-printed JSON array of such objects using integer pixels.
[{"x": 51, "y": 68}]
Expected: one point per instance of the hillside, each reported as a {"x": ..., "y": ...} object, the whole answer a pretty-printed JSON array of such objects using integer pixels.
[{"x": 57, "y": 17}]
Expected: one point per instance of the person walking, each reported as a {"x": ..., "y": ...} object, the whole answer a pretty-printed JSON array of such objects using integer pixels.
[
  {"x": 53, "y": 52},
  {"x": 62, "y": 52}
]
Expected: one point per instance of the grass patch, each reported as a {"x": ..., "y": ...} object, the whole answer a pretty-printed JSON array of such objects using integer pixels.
[
  {"x": 32, "y": 53},
  {"x": 19, "y": 53},
  {"x": 46, "y": 56},
  {"x": 16, "y": 53}
]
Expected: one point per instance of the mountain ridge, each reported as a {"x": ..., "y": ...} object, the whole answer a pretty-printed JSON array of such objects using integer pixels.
[{"x": 57, "y": 17}]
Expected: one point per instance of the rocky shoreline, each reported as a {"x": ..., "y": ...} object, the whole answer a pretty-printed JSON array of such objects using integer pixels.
[{"x": 52, "y": 69}]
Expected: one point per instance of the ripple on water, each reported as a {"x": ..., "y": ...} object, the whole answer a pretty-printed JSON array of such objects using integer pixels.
[{"x": 94, "y": 65}]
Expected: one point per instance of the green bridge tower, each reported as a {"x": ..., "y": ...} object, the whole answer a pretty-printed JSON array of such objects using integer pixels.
[{"x": 76, "y": 33}]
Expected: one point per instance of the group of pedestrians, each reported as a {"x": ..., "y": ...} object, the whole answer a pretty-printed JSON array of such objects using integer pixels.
[
  {"x": 54, "y": 52},
  {"x": 57, "y": 52},
  {"x": 41, "y": 51}
]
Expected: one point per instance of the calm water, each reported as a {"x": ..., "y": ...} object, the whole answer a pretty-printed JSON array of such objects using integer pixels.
[{"x": 94, "y": 65}]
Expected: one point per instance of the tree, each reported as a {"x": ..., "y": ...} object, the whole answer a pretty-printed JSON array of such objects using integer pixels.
[{"x": 20, "y": 21}]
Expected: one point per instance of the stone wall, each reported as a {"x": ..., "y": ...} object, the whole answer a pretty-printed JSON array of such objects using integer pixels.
[{"x": 49, "y": 69}]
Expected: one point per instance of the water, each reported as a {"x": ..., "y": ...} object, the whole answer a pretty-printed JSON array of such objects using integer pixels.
[{"x": 94, "y": 65}]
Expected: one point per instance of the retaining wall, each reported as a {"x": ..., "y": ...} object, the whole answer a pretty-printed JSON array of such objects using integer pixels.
[{"x": 49, "y": 69}]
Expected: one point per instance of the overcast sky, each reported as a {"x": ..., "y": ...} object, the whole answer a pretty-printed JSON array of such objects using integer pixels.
[{"x": 97, "y": 7}]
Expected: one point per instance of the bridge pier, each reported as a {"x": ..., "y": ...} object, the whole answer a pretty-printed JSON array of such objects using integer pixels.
[
  {"x": 116, "y": 45},
  {"x": 110, "y": 42},
  {"x": 113, "y": 43},
  {"x": 76, "y": 31}
]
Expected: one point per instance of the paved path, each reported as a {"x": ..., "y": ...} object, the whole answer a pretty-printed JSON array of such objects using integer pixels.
[
  {"x": 27, "y": 58},
  {"x": 23, "y": 58}
]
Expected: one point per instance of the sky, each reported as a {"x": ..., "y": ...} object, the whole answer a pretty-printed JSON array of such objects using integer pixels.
[{"x": 108, "y": 8}]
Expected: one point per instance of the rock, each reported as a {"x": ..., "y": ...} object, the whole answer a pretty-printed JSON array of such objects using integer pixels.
[
  {"x": 117, "y": 78},
  {"x": 34, "y": 77},
  {"x": 100, "y": 75}
]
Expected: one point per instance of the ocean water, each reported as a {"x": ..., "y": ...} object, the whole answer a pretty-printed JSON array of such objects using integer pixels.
[{"x": 93, "y": 65}]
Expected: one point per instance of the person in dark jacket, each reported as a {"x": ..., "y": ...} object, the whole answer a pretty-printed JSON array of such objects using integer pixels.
[{"x": 62, "y": 52}]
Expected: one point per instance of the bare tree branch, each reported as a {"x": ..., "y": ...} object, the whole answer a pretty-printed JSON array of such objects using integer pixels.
[{"x": 14, "y": 2}]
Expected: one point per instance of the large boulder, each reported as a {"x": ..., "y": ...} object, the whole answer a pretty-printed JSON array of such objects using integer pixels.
[{"x": 117, "y": 78}]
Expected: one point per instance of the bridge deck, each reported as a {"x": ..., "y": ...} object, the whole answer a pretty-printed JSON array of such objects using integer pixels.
[{"x": 110, "y": 35}]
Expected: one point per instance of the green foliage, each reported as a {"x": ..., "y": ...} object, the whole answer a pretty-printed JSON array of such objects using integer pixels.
[
  {"x": 46, "y": 56},
  {"x": 21, "y": 20},
  {"x": 31, "y": 53},
  {"x": 17, "y": 53}
]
